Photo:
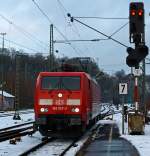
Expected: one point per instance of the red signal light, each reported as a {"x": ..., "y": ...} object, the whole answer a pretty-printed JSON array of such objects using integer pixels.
[
  {"x": 133, "y": 12},
  {"x": 140, "y": 12}
]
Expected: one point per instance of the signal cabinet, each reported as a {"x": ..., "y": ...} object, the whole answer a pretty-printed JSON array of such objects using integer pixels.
[{"x": 136, "y": 123}]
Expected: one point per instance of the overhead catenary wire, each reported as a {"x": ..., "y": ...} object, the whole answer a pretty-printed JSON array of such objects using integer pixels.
[
  {"x": 26, "y": 53},
  {"x": 108, "y": 37},
  {"x": 50, "y": 21},
  {"x": 74, "y": 19},
  {"x": 75, "y": 30},
  {"x": 90, "y": 40},
  {"x": 27, "y": 48},
  {"x": 21, "y": 45},
  {"x": 102, "y": 18},
  {"x": 64, "y": 11},
  {"x": 24, "y": 32},
  {"x": 119, "y": 29},
  {"x": 105, "y": 36},
  {"x": 93, "y": 40},
  {"x": 99, "y": 18}
]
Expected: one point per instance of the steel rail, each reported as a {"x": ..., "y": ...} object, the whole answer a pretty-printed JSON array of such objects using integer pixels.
[
  {"x": 11, "y": 114},
  {"x": 36, "y": 147},
  {"x": 15, "y": 133},
  {"x": 16, "y": 126},
  {"x": 69, "y": 147}
]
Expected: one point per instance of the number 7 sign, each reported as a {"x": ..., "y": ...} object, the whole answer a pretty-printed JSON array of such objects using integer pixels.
[{"x": 123, "y": 89}]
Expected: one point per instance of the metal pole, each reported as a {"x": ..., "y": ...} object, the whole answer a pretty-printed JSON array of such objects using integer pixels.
[
  {"x": 131, "y": 70},
  {"x": 50, "y": 50},
  {"x": 143, "y": 88},
  {"x": 136, "y": 98},
  {"x": 51, "y": 55},
  {"x": 3, "y": 34},
  {"x": 52, "y": 47},
  {"x": 17, "y": 89},
  {"x": 122, "y": 114}
]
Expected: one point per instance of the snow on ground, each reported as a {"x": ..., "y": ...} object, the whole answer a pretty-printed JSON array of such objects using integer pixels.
[
  {"x": 105, "y": 122},
  {"x": 141, "y": 142},
  {"x": 79, "y": 144},
  {"x": 53, "y": 148},
  {"x": 7, "y": 149},
  {"x": 104, "y": 108},
  {"x": 8, "y": 121}
]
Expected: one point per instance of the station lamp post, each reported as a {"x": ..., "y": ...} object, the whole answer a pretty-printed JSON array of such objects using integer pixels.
[{"x": 2, "y": 81}]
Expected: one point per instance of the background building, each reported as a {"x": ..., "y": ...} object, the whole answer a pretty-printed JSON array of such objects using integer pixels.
[{"x": 8, "y": 101}]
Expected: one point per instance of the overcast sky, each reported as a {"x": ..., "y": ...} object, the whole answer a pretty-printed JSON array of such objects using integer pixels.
[{"x": 110, "y": 55}]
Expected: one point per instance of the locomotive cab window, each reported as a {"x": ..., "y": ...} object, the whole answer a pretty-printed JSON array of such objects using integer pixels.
[{"x": 60, "y": 82}]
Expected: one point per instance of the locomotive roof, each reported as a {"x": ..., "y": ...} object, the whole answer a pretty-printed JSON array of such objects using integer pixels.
[
  {"x": 63, "y": 73},
  {"x": 67, "y": 74}
]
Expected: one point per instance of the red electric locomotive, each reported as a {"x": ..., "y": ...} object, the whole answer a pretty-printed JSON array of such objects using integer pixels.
[{"x": 65, "y": 100}]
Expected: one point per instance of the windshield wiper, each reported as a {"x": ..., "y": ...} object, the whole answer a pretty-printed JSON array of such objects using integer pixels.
[
  {"x": 60, "y": 85},
  {"x": 56, "y": 86},
  {"x": 69, "y": 90}
]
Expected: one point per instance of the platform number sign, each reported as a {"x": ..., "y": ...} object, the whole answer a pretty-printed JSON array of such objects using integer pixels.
[{"x": 123, "y": 88}]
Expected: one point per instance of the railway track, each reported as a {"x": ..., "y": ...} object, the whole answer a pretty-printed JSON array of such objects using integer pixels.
[
  {"x": 16, "y": 131},
  {"x": 16, "y": 126},
  {"x": 12, "y": 113},
  {"x": 38, "y": 146},
  {"x": 69, "y": 147},
  {"x": 55, "y": 146}
]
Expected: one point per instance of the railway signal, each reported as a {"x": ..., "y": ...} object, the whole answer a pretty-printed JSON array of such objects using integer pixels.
[
  {"x": 136, "y": 22},
  {"x": 131, "y": 59},
  {"x": 136, "y": 55}
]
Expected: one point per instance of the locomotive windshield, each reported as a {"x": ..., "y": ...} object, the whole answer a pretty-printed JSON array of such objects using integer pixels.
[{"x": 61, "y": 82}]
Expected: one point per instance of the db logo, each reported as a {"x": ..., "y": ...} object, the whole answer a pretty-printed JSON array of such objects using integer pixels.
[{"x": 59, "y": 102}]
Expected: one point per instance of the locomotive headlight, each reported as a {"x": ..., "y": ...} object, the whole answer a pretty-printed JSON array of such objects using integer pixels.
[
  {"x": 60, "y": 95},
  {"x": 76, "y": 110},
  {"x": 44, "y": 110}
]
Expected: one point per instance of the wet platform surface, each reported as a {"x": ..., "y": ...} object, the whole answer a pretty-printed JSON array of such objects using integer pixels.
[
  {"x": 108, "y": 142},
  {"x": 117, "y": 147}
]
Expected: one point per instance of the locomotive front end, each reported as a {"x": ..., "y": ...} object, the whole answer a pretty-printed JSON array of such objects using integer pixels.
[{"x": 58, "y": 101}]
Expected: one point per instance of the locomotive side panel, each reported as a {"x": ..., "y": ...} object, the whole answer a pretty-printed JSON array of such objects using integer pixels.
[
  {"x": 86, "y": 100},
  {"x": 95, "y": 92}
]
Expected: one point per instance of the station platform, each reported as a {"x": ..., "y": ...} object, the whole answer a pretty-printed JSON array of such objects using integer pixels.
[{"x": 108, "y": 142}]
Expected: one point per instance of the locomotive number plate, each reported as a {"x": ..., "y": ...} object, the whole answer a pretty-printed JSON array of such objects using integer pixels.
[{"x": 59, "y": 108}]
